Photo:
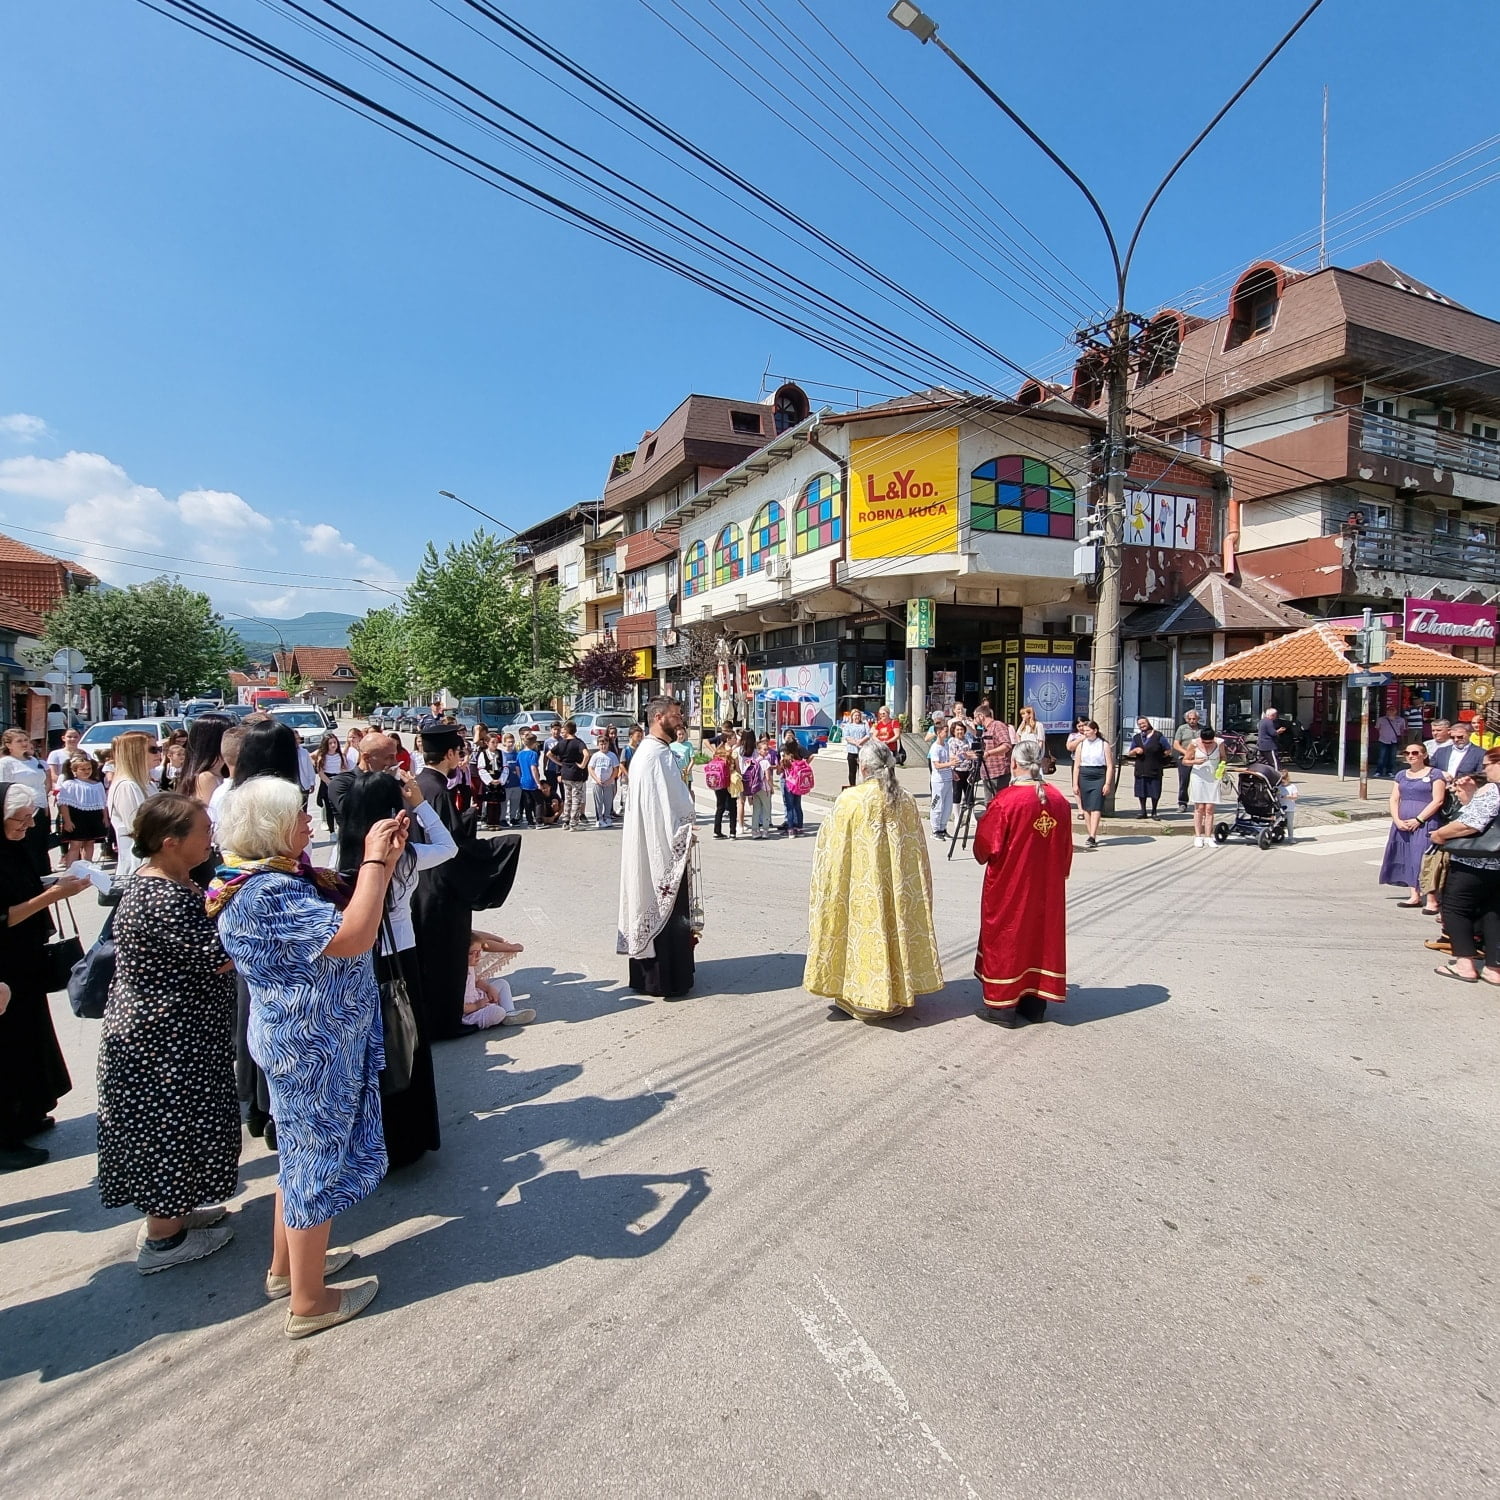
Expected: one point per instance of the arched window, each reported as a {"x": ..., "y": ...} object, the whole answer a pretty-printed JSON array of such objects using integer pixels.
[
  {"x": 1088, "y": 381},
  {"x": 1160, "y": 346},
  {"x": 694, "y": 570},
  {"x": 817, "y": 518},
  {"x": 1253, "y": 303},
  {"x": 1021, "y": 494},
  {"x": 767, "y": 533},
  {"x": 729, "y": 555}
]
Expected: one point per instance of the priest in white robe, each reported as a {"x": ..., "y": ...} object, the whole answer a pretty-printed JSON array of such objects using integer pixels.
[{"x": 659, "y": 917}]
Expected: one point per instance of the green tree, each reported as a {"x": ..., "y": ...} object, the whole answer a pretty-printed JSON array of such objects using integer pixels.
[
  {"x": 379, "y": 652},
  {"x": 152, "y": 639},
  {"x": 478, "y": 623}
]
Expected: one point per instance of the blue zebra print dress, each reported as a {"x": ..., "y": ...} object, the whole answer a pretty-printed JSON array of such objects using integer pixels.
[{"x": 315, "y": 1031}]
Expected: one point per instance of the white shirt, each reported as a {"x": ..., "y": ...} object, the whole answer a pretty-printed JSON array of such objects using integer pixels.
[
  {"x": 940, "y": 758},
  {"x": 59, "y": 758},
  {"x": 28, "y": 772},
  {"x": 1091, "y": 752},
  {"x": 125, "y": 799},
  {"x": 305, "y": 773},
  {"x": 216, "y": 804},
  {"x": 334, "y": 765},
  {"x": 438, "y": 847}
]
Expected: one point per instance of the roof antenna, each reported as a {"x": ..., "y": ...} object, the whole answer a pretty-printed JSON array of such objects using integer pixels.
[
  {"x": 1323, "y": 205},
  {"x": 765, "y": 375}
]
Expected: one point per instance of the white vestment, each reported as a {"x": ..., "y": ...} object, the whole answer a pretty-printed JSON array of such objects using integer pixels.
[{"x": 656, "y": 848}]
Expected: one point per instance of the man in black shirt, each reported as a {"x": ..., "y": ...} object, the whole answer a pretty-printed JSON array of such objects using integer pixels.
[{"x": 569, "y": 757}]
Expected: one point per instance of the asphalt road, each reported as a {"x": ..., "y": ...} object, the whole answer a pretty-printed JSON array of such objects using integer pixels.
[{"x": 1226, "y": 1226}]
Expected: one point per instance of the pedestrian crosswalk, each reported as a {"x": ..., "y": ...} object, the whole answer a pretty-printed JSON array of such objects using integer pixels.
[{"x": 1324, "y": 840}]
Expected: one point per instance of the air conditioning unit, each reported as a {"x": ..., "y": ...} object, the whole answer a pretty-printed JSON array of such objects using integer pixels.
[
  {"x": 1080, "y": 624},
  {"x": 778, "y": 567}
]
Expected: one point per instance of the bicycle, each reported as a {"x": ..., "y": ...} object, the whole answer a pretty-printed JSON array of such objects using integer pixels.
[{"x": 1314, "y": 749}]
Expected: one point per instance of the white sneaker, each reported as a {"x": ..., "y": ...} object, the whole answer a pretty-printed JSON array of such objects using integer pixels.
[{"x": 1198, "y": 843}]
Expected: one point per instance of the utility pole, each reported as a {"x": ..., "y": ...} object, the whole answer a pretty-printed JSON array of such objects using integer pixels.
[{"x": 1116, "y": 344}]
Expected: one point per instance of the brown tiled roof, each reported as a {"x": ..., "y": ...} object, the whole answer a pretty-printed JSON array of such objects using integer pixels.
[
  {"x": 1319, "y": 653},
  {"x": 244, "y": 679},
  {"x": 1215, "y": 604},
  {"x": 36, "y": 580},
  {"x": 17, "y": 617},
  {"x": 319, "y": 663}
]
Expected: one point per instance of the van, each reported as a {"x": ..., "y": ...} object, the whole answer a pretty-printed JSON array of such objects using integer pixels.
[{"x": 492, "y": 712}]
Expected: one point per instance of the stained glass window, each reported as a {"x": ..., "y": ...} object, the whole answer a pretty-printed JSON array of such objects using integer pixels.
[
  {"x": 817, "y": 518},
  {"x": 729, "y": 555},
  {"x": 767, "y": 532},
  {"x": 1021, "y": 495},
  {"x": 694, "y": 570}
]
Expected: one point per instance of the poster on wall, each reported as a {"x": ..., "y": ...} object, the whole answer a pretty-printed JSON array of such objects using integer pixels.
[
  {"x": 1185, "y": 538},
  {"x": 1138, "y": 518},
  {"x": 1165, "y": 525},
  {"x": 1083, "y": 685},
  {"x": 943, "y": 693},
  {"x": 811, "y": 690},
  {"x": 1047, "y": 689},
  {"x": 904, "y": 494}
]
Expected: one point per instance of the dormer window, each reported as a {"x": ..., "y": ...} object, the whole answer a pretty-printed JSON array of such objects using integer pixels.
[
  {"x": 1088, "y": 381},
  {"x": 747, "y": 422},
  {"x": 790, "y": 407},
  {"x": 1252, "y": 309},
  {"x": 1160, "y": 345}
]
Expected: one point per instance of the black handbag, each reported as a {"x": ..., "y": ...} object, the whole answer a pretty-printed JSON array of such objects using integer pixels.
[
  {"x": 1487, "y": 842},
  {"x": 59, "y": 958},
  {"x": 399, "y": 1022},
  {"x": 88, "y": 984}
]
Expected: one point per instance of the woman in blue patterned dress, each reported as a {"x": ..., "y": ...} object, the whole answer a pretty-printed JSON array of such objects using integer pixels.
[{"x": 314, "y": 1029}]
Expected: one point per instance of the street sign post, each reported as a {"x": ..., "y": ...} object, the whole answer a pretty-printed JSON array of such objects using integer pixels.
[{"x": 1371, "y": 679}]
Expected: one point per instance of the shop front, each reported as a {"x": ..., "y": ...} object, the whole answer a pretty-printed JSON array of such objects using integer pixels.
[{"x": 1040, "y": 672}]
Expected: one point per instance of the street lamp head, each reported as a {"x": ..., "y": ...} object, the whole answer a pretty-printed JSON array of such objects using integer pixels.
[
  {"x": 448, "y": 495},
  {"x": 911, "y": 18}
]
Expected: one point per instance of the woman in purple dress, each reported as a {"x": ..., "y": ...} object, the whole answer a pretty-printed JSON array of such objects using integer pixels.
[{"x": 1417, "y": 796}]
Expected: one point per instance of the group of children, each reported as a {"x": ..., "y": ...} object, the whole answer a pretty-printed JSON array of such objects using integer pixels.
[{"x": 744, "y": 771}]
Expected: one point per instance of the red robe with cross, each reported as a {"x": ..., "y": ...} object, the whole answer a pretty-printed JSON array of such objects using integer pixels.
[{"x": 1025, "y": 843}]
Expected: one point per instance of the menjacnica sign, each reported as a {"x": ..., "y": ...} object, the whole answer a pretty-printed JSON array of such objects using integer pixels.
[{"x": 1440, "y": 622}]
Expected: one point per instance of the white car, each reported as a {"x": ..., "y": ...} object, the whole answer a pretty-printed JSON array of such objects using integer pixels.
[
  {"x": 591, "y": 727},
  {"x": 97, "y": 736},
  {"x": 310, "y": 723}
]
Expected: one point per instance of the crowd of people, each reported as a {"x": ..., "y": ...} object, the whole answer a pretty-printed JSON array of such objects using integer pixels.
[{"x": 252, "y": 986}]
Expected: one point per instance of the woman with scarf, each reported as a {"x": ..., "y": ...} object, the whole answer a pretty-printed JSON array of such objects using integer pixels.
[
  {"x": 410, "y": 1117},
  {"x": 301, "y": 937}
]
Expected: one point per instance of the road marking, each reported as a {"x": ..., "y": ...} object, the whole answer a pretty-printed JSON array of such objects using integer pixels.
[
  {"x": 1348, "y": 846},
  {"x": 538, "y": 916},
  {"x": 1318, "y": 831},
  {"x": 874, "y": 1394}
]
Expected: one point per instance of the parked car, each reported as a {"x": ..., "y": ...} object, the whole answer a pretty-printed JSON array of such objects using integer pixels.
[
  {"x": 494, "y": 712},
  {"x": 310, "y": 723},
  {"x": 538, "y": 721},
  {"x": 591, "y": 727},
  {"x": 196, "y": 707},
  {"x": 410, "y": 717},
  {"x": 97, "y": 736}
]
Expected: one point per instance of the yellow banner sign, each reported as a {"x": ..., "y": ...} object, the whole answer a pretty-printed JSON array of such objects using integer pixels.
[{"x": 904, "y": 494}]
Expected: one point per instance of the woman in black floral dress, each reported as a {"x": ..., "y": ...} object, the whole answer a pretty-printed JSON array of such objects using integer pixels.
[{"x": 169, "y": 1120}]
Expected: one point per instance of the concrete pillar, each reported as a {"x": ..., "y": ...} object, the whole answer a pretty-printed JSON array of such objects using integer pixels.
[{"x": 918, "y": 687}]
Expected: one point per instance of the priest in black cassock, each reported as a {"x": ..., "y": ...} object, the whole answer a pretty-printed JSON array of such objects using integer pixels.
[{"x": 478, "y": 878}]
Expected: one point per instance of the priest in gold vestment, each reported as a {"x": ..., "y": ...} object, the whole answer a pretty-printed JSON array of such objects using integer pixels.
[{"x": 871, "y": 946}]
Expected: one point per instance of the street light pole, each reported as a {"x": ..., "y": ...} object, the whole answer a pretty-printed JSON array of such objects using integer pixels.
[
  {"x": 1115, "y": 338},
  {"x": 536, "y": 644}
]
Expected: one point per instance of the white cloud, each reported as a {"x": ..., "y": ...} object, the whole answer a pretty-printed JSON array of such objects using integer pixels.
[
  {"x": 22, "y": 427},
  {"x": 94, "y": 512}
]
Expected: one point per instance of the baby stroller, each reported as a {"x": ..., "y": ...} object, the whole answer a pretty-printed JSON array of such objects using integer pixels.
[{"x": 1258, "y": 815}]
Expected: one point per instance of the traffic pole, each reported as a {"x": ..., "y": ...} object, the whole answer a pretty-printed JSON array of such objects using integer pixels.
[{"x": 1364, "y": 744}]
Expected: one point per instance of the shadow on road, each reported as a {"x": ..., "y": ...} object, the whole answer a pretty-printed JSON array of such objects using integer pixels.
[
  {"x": 477, "y": 1237},
  {"x": 1084, "y": 1004},
  {"x": 561, "y": 996},
  {"x": 766, "y": 975}
]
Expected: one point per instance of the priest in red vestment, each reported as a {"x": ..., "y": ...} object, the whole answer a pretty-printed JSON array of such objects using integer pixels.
[{"x": 1025, "y": 842}]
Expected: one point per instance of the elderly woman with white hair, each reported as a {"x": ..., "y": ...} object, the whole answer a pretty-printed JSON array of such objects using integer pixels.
[
  {"x": 871, "y": 946},
  {"x": 33, "y": 1075},
  {"x": 301, "y": 938}
]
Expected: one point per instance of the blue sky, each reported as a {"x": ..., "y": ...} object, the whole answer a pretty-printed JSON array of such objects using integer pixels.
[{"x": 261, "y": 333}]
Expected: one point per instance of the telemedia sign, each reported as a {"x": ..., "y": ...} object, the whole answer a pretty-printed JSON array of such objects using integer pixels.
[
  {"x": 905, "y": 500},
  {"x": 1435, "y": 622}
]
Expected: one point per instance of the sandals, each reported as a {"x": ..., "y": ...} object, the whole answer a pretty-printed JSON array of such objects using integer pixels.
[{"x": 1447, "y": 971}]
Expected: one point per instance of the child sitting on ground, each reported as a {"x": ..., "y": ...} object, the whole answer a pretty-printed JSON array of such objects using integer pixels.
[{"x": 487, "y": 998}]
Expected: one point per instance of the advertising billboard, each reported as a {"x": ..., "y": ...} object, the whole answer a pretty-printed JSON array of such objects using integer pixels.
[
  {"x": 1047, "y": 687},
  {"x": 1436, "y": 622},
  {"x": 904, "y": 494}
]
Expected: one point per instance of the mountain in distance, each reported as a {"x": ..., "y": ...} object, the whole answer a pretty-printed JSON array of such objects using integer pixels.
[{"x": 320, "y": 628}]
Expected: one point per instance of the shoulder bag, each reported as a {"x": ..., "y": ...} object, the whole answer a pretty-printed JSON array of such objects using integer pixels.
[
  {"x": 59, "y": 958},
  {"x": 88, "y": 984},
  {"x": 1486, "y": 842},
  {"x": 398, "y": 1020}
]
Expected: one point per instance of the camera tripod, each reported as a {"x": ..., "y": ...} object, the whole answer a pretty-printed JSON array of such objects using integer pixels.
[{"x": 965, "y": 809}]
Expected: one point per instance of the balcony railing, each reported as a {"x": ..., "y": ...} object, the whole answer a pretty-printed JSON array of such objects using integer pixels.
[
  {"x": 1414, "y": 552},
  {"x": 1434, "y": 447},
  {"x": 601, "y": 585}
]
